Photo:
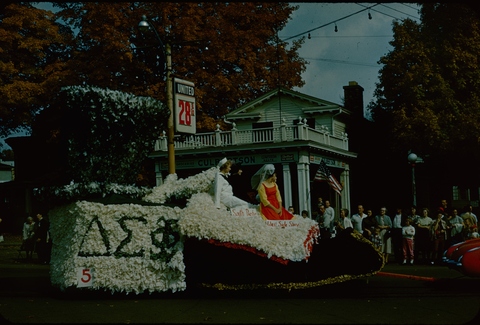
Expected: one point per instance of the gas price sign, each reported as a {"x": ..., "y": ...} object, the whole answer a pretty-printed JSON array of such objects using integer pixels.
[{"x": 184, "y": 98}]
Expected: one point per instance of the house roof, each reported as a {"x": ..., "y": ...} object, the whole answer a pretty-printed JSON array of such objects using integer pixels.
[{"x": 320, "y": 105}]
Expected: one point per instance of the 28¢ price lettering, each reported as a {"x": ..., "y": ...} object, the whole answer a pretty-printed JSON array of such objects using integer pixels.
[
  {"x": 84, "y": 277},
  {"x": 187, "y": 109}
]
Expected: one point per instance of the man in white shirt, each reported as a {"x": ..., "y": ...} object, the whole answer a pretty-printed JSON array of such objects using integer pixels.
[{"x": 357, "y": 219}]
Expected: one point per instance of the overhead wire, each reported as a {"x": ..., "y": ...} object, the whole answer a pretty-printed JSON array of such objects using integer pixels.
[
  {"x": 347, "y": 16},
  {"x": 343, "y": 62},
  {"x": 332, "y": 22},
  {"x": 409, "y": 6},
  {"x": 388, "y": 8},
  {"x": 399, "y": 11},
  {"x": 377, "y": 11},
  {"x": 350, "y": 15},
  {"x": 348, "y": 36}
]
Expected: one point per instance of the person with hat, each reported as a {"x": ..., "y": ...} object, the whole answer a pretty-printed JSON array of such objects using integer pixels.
[
  {"x": 265, "y": 182},
  {"x": 223, "y": 191}
]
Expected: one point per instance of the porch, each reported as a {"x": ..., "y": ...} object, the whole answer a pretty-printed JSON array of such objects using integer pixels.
[{"x": 236, "y": 137}]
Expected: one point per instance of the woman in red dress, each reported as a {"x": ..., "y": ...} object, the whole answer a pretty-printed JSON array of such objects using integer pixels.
[{"x": 265, "y": 181}]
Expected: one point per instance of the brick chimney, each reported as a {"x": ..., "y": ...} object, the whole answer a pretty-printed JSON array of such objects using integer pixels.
[{"x": 354, "y": 98}]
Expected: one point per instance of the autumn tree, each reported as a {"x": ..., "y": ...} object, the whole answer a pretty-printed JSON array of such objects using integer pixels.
[
  {"x": 428, "y": 94},
  {"x": 33, "y": 52},
  {"x": 229, "y": 50}
]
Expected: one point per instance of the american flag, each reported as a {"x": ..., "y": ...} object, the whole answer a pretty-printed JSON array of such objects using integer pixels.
[{"x": 324, "y": 174}]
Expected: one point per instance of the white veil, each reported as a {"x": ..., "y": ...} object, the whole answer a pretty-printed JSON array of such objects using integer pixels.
[{"x": 262, "y": 174}]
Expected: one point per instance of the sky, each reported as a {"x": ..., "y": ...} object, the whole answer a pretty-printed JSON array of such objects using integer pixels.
[
  {"x": 336, "y": 58},
  {"x": 350, "y": 54}
]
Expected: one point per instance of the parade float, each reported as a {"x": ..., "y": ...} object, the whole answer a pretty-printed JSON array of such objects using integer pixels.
[
  {"x": 157, "y": 245},
  {"x": 107, "y": 236}
]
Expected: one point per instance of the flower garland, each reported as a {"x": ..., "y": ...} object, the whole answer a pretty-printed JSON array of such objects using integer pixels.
[{"x": 285, "y": 286}]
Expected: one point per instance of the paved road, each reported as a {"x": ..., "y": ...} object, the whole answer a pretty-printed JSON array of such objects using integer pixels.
[{"x": 397, "y": 295}]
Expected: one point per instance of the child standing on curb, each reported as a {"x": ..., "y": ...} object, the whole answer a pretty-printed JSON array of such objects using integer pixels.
[{"x": 408, "y": 234}]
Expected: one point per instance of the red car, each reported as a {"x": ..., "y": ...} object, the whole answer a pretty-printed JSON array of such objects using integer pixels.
[
  {"x": 448, "y": 254},
  {"x": 464, "y": 257}
]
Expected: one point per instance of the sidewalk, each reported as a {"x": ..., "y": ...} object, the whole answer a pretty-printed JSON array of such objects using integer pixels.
[{"x": 11, "y": 257}]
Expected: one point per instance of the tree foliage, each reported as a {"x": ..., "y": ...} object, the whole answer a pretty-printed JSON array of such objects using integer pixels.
[
  {"x": 229, "y": 50},
  {"x": 428, "y": 93},
  {"x": 33, "y": 52}
]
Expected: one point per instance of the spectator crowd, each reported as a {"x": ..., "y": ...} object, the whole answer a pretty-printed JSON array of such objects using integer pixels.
[{"x": 406, "y": 236}]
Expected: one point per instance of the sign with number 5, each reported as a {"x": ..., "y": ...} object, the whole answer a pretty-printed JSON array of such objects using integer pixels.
[
  {"x": 184, "y": 99},
  {"x": 84, "y": 277}
]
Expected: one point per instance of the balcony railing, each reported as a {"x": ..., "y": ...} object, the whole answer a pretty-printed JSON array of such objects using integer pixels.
[{"x": 235, "y": 137}]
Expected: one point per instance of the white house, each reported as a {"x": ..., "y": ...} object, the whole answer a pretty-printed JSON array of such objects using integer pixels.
[{"x": 286, "y": 128}]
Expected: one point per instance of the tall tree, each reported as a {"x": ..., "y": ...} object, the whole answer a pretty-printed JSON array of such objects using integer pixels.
[
  {"x": 229, "y": 50},
  {"x": 33, "y": 50},
  {"x": 427, "y": 99},
  {"x": 429, "y": 89}
]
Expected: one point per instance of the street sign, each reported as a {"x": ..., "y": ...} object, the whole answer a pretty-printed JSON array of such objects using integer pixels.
[{"x": 184, "y": 99}]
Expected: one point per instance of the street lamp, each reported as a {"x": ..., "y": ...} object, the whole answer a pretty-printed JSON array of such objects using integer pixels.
[
  {"x": 144, "y": 25},
  {"x": 412, "y": 159}
]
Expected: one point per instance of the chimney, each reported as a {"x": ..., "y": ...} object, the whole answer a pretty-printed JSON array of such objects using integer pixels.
[{"x": 354, "y": 98}]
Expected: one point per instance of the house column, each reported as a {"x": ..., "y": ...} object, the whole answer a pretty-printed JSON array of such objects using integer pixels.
[
  {"x": 303, "y": 173},
  {"x": 158, "y": 174},
  {"x": 345, "y": 181},
  {"x": 287, "y": 186}
]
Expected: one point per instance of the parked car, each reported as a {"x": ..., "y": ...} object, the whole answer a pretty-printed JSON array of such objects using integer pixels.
[{"x": 464, "y": 257}]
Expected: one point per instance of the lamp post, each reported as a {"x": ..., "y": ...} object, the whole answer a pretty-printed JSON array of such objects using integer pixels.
[
  {"x": 144, "y": 25},
  {"x": 412, "y": 159}
]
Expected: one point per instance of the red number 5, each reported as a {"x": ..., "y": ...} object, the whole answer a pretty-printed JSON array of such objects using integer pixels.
[{"x": 86, "y": 276}]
